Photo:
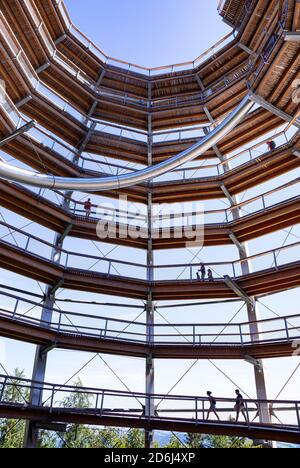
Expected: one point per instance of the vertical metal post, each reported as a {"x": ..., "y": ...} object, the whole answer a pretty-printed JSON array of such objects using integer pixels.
[
  {"x": 150, "y": 404},
  {"x": 40, "y": 362},
  {"x": 39, "y": 370}
]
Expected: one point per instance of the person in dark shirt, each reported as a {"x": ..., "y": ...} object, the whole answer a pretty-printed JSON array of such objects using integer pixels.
[
  {"x": 201, "y": 273},
  {"x": 213, "y": 406},
  {"x": 271, "y": 145},
  {"x": 240, "y": 407},
  {"x": 210, "y": 275}
]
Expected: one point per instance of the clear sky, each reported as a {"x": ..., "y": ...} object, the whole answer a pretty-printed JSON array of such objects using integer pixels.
[
  {"x": 150, "y": 33},
  {"x": 155, "y": 33}
]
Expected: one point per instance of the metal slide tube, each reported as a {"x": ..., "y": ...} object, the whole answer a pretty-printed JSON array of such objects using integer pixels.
[{"x": 15, "y": 174}]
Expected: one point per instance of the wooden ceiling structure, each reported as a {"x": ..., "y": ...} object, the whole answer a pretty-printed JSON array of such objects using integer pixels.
[{"x": 100, "y": 107}]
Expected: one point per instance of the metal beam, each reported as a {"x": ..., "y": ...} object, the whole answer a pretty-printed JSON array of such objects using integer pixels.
[
  {"x": 55, "y": 288},
  {"x": 297, "y": 153},
  {"x": 50, "y": 347},
  {"x": 201, "y": 85},
  {"x": 254, "y": 362},
  {"x": 228, "y": 194},
  {"x": 60, "y": 39},
  {"x": 208, "y": 115},
  {"x": 239, "y": 291},
  {"x": 55, "y": 427},
  {"x": 241, "y": 247},
  {"x": 23, "y": 101},
  {"x": 274, "y": 110},
  {"x": 43, "y": 68},
  {"x": 292, "y": 36},
  {"x": 17, "y": 133},
  {"x": 246, "y": 49},
  {"x": 65, "y": 233}
]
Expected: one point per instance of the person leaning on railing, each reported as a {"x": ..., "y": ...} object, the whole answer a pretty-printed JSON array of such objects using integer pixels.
[
  {"x": 201, "y": 273},
  {"x": 271, "y": 145},
  {"x": 88, "y": 208}
]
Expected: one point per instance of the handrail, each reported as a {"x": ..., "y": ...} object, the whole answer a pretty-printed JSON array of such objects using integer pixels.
[
  {"x": 75, "y": 389},
  {"x": 85, "y": 79},
  {"x": 15, "y": 174},
  {"x": 101, "y": 402},
  {"x": 226, "y": 213},
  {"x": 183, "y": 170},
  {"x": 106, "y": 58},
  {"x": 60, "y": 144},
  {"x": 39, "y": 83},
  {"x": 112, "y": 263},
  {"x": 198, "y": 334},
  {"x": 36, "y": 83}
]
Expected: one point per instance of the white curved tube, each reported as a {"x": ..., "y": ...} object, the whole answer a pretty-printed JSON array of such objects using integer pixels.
[{"x": 15, "y": 174}]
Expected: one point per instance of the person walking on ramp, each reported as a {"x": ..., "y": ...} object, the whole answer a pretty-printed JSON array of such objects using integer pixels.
[
  {"x": 240, "y": 407},
  {"x": 213, "y": 406}
]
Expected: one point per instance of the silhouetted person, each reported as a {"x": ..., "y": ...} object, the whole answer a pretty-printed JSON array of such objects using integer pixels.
[
  {"x": 201, "y": 273},
  {"x": 88, "y": 208},
  {"x": 271, "y": 145},
  {"x": 210, "y": 275},
  {"x": 240, "y": 407},
  {"x": 213, "y": 406}
]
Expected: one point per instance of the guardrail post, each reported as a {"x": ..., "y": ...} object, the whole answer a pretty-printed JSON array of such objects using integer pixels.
[
  {"x": 241, "y": 335},
  {"x": 105, "y": 329},
  {"x": 109, "y": 269},
  {"x": 196, "y": 410},
  {"x": 27, "y": 244},
  {"x": 59, "y": 322},
  {"x": 275, "y": 259},
  {"x": 15, "y": 309},
  {"x": 102, "y": 403},
  {"x": 226, "y": 215},
  {"x": 3, "y": 388},
  {"x": 52, "y": 398},
  {"x": 298, "y": 415},
  {"x": 96, "y": 404},
  {"x": 287, "y": 329},
  {"x": 286, "y": 138},
  {"x": 247, "y": 412}
]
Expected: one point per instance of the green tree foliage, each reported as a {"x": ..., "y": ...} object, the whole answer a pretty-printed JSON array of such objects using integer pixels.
[
  {"x": 194, "y": 441},
  {"x": 225, "y": 442},
  {"x": 11, "y": 430},
  {"x": 135, "y": 438},
  {"x": 174, "y": 443}
]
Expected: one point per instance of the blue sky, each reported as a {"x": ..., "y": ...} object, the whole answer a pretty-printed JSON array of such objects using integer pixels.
[
  {"x": 154, "y": 33},
  {"x": 150, "y": 33}
]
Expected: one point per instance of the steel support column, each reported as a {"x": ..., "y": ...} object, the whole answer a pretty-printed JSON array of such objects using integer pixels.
[
  {"x": 150, "y": 369},
  {"x": 40, "y": 363}
]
